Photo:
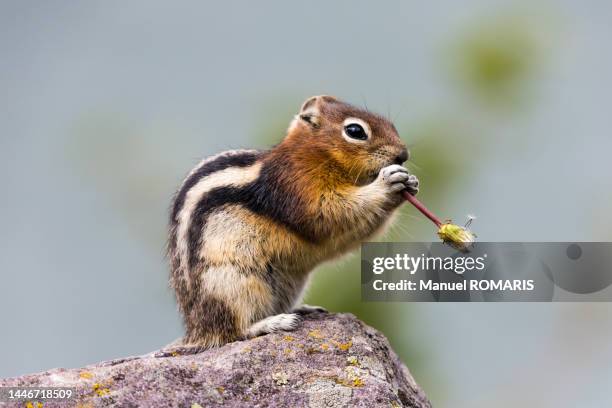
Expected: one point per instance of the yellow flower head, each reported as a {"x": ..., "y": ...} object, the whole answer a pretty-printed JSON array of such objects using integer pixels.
[{"x": 458, "y": 237}]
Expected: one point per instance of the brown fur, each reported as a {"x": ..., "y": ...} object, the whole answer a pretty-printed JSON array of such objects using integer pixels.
[
  {"x": 323, "y": 170},
  {"x": 317, "y": 200}
]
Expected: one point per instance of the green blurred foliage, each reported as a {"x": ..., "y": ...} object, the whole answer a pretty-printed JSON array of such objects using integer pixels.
[{"x": 496, "y": 59}]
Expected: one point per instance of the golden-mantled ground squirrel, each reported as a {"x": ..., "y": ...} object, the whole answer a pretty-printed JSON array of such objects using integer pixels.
[{"x": 247, "y": 227}]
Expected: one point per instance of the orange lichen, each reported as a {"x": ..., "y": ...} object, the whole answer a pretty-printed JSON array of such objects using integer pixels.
[
  {"x": 100, "y": 390},
  {"x": 357, "y": 382},
  {"x": 316, "y": 333},
  {"x": 86, "y": 375},
  {"x": 343, "y": 346},
  {"x": 354, "y": 382}
]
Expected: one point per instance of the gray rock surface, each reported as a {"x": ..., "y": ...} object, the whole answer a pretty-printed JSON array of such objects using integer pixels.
[{"x": 332, "y": 360}]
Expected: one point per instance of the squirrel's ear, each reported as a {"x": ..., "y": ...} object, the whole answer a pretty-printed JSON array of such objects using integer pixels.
[{"x": 310, "y": 112}]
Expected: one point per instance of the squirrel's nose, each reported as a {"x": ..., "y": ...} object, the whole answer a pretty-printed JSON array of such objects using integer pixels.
[{"x": 402, "y": 157}]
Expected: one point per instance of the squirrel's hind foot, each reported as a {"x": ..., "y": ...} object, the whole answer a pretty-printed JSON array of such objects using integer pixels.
[{"x": 308, "y": 309}]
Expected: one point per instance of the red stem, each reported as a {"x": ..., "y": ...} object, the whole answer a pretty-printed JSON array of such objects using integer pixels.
[{"x": 419, "y": 206}]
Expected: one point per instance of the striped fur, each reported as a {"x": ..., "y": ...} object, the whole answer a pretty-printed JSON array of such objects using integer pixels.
[{"x": 247, "y": 227}]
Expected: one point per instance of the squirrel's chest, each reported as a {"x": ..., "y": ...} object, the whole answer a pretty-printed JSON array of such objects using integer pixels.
[{"x": 235, "y": 234}]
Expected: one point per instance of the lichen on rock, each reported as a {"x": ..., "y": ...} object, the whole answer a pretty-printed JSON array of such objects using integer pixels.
[{"x": 331, "y": 360}]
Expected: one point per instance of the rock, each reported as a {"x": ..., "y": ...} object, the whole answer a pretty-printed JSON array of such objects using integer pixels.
[{"x": 331, "y": 360}]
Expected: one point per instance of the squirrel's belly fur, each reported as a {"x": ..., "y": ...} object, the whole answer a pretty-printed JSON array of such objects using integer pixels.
[{"x": 247, "y": 227}]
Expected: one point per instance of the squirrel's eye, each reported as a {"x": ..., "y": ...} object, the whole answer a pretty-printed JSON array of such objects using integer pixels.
[{"x": 355, "y": 131}]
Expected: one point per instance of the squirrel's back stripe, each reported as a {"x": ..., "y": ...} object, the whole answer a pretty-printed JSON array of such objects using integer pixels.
[
  {"x": 232, "y": 158},
  {"x": 212, "y": 175},
  {"x": 258, "y": 197},
  {"x": 209, "y": 202}
]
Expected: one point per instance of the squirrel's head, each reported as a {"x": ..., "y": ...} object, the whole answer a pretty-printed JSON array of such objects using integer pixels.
[{"x": 353, "y": 140}]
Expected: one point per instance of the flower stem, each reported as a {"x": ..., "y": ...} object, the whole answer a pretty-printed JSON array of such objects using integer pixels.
[{"x": 419, "y": 206}]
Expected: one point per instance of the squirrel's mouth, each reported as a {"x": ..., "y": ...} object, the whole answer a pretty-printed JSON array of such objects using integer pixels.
[
  {"x": 372, "y": 173},
  {"x": 367, "y": 178},
  {"x": 369, "y": 175}
]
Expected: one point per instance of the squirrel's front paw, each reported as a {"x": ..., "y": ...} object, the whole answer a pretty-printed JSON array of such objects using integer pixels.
[{"x": 396, "y": 178}]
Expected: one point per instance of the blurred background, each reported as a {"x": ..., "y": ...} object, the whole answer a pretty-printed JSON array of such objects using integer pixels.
[{"x": 105, "y": 106}]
